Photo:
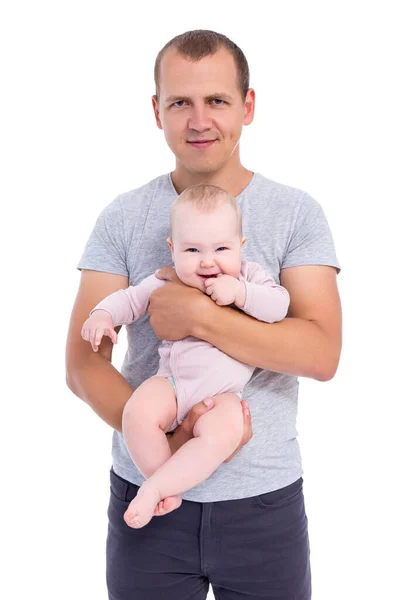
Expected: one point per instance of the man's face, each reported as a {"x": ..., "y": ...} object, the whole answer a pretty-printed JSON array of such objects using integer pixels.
[{"x": 201, "y": 109}]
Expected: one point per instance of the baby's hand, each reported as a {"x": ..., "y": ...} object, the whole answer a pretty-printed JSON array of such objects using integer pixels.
[
  {"x": 223, "y": 289},
  {"x": 98, "y": 324}
]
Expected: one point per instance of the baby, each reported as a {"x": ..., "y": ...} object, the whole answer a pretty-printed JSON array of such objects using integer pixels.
[{"x": 206, "y": 242}]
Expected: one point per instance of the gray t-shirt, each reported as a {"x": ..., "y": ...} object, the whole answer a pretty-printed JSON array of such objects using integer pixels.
[{"x": 284, "y": 227}]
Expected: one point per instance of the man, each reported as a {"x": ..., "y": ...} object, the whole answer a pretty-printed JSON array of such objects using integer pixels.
[{"x": 244, "y": 530}]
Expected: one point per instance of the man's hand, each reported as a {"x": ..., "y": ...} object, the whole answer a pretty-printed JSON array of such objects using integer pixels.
[
  {"x": 184, "y": 432},
  {"x": 247, "y": 430},
  {"x": 174, "y": 308}
]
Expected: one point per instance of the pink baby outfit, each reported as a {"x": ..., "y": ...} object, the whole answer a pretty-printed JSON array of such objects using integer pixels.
[{"x": 198, "y": 368}]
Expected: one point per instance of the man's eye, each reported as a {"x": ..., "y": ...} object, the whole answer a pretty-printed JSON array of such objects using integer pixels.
[
  {"x": 178, "y": 103},
  {"x": 218, "y": 101},
  {"x": 192, "y": 250}
]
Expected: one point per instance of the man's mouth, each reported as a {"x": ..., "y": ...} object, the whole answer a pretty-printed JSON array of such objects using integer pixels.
[{"x": 201, "y": 143}]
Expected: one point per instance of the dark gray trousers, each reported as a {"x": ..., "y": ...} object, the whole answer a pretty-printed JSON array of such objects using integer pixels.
[{"x": 251, "y": 549}]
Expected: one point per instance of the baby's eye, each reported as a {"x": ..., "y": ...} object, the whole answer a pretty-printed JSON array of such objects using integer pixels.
[
  {"x": 222, "y": 248},
  {"x": 192, "y": 250}
]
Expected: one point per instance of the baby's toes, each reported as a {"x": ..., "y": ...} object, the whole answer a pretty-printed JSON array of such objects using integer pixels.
[{"x": 159, "y": 508}]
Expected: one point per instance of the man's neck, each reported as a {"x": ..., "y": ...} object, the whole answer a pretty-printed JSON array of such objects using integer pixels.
[{"x": 234, "y": 183}]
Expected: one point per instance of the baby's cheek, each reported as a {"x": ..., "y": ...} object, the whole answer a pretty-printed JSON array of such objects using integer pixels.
[
  {"x": 183, "y": 269},
  {"x": 183, "y": 276},
  {"x": 232, "y": 268}
]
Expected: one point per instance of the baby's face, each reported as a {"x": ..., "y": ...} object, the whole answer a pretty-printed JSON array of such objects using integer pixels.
[{"x": 205, "y": 244}]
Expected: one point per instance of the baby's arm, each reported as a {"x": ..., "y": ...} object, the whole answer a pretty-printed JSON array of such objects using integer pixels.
[
  {"x": 263, "y": 299},
  {"x": 256, "y": 293},
  {"x": 120, "y": 308}
]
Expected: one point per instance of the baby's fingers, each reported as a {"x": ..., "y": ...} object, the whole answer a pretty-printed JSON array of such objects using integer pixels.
[
  {"x": 85, "y": 333},
  {"x": 87, "y": 329},
  {"x": 112, "y": 335},
  {"x": 95, "y": 338}
]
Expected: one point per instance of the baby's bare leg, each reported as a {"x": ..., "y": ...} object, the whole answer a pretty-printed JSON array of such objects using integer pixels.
[
  {"x": 148, "y": 414},
  {"x": 217, "y": 434}
]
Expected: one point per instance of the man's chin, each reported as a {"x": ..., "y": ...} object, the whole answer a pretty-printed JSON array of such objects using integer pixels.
[{"x": 201, "y": 168}]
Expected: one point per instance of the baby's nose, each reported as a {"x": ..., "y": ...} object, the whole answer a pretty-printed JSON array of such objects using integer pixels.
[{"x": 207, "y": 262}]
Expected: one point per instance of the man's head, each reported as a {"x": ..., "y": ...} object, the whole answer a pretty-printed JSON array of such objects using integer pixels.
[
  {"x": 202, "y": 100},
  {"x": 206, "y": 234},
  {"x": 195, "y": 45}
]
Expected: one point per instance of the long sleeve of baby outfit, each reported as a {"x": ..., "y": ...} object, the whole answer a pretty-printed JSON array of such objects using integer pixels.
[
  {"x": 265, "y": 300},
  {"x": 126, "y": 306}
]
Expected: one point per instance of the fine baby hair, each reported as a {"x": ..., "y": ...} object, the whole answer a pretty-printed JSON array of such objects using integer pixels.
[{"x": 205, "y": 198}]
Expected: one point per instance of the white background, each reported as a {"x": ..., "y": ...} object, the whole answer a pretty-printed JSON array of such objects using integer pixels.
[{"x": 77, "y": 129}]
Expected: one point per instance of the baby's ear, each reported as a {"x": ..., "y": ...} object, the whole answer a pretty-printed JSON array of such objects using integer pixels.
[
  {"x": 242, "y": 243},
  {"x": 170, "y": 244}
]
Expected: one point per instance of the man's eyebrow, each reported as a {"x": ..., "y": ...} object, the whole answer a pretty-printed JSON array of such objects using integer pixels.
[
  {"x": 176, "y": 98},
  {"x": 221, "y": 96}
]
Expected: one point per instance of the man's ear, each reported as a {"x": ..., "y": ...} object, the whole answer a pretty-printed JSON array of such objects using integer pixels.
[
  {"x": 156, "y": 111},
  {"x": 249, "y": 106}
]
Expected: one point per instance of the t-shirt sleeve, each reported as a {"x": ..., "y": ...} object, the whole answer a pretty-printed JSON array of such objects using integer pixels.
[
  {"x": 106, "y": 247},
  {"x": 310, "y": 241}
]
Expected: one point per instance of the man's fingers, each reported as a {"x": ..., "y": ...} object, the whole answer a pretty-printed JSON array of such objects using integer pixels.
[
  {"x": 196, "y": 412},
  {"x": 246, "y": 409},
  {"x": 247, "y": 430},
  {"x": 201, "y": 408},
  {"x": 167, "y": 273}
]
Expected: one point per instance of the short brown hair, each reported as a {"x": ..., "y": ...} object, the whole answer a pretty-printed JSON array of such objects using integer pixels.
[
  {"x": 206, "y": 198},
  {"x": 199, "y": 43}
]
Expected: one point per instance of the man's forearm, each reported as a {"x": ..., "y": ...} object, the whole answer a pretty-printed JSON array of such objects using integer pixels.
[
  {"x": 101, "y": 386},
  {"x": 293, "y": 346}
]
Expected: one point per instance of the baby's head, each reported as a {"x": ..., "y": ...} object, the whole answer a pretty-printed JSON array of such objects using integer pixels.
[{"x": 206, "y": 234}]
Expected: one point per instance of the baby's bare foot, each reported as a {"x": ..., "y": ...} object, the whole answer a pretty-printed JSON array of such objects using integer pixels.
[
  {"x": 141, "y": 509},
  {"x": 167, "y": 505}
]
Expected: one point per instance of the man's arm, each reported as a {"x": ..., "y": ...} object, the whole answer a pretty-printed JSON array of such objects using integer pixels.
[
  {"x": 307, "y": 343},
  {"x": 90, "y": 375}
]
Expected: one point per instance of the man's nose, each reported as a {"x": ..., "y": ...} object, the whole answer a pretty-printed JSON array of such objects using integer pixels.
[{"x": 200, "y": 119}]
